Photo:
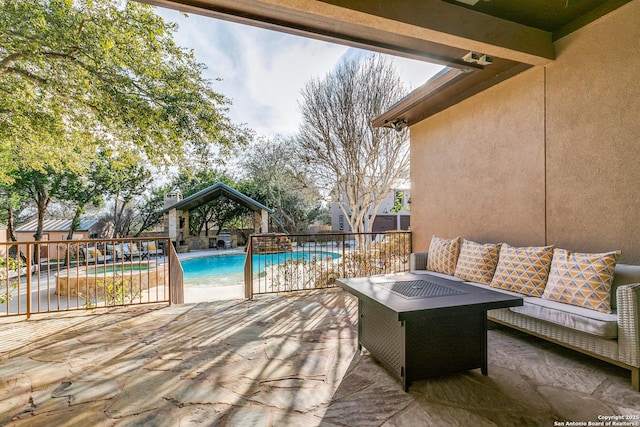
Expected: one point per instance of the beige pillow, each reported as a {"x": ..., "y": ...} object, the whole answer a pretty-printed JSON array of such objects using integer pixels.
[
  {"x": 523, "y": 270},
  {"x": 582, "y": 279},
  {"x": 477, "y": 262},
  {"x": 95, "y": 253},
  {"x": 443, "y": 255}
]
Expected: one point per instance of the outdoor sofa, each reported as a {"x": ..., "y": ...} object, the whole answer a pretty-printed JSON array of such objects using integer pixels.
[{"x": 586, "y": 302}]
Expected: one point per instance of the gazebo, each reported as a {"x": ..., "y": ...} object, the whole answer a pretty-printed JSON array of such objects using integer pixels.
[{"x": 179, "y": 211}]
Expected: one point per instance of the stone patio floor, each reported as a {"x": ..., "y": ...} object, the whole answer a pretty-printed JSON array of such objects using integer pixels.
[{"x": 285, "y": 360}]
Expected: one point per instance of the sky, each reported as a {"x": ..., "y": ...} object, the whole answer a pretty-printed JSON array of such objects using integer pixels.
[{"x": 262, "y": 71}]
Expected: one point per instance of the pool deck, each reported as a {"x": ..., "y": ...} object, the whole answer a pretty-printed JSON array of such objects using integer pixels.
[{"x": 277, "y": 360}]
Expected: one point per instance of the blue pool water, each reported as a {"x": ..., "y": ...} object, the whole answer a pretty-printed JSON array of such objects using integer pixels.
[{"x": 232, "y": 264}]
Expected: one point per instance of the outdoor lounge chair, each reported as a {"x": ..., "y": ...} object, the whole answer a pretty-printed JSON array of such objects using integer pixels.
[
  {"x": 115, "y": 251},
  {"x": 94, "y": 255},
  {"x": 151, "y": 248},
  {"x": 131, "y": 251}
]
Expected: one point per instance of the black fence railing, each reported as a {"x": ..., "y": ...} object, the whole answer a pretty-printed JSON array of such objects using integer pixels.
[
  {"x": 290, "y": 262},
  {"x": 49, "y": 276}
]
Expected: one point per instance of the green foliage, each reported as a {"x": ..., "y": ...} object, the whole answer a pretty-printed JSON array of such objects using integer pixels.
[
  {"x": 12, "y": 266},
  {"x": 79, "y": 76},
  {"x": 398, "y": 203},
  {"x": 76, "y": 75},
  {"x": 116, "y": 290}
]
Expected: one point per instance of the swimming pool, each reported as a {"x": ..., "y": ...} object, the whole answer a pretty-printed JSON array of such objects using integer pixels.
[{"x": 220, "y": 265}]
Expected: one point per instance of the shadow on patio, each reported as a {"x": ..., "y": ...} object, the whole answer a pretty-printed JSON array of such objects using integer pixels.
[{"x": 276, "y": 360}]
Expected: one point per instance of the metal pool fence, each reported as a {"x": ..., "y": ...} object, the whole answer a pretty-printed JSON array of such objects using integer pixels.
[
  {"x": 290, "y": 262},
  {"x": 50, "y": 276}
]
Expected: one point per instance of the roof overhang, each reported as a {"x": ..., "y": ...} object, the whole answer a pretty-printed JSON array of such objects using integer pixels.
[
  {"x": 516, "y": 36},
  {"x": 430, "y": 30}
]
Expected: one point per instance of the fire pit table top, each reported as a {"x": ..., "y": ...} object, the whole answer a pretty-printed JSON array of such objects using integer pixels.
[{"x": 407, "y": 294}]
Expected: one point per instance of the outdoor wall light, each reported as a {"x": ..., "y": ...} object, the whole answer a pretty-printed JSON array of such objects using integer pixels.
[
  {"x": 478, "y": 58},
  {"x": 398, "y": 125}
]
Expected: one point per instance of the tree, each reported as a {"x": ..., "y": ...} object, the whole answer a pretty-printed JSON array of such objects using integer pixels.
[
  {"x": 341, "y": 149},
  {"x": 276, "y": 180},
  {"x": 75, "y": 75},
  {"x": 40, "y": 188},
  {"x": 13, "y": 201},
  {"x": 80, "y": 191},
  {"x": 149, "y": 210},
  {"x": 124, "y": 176}
]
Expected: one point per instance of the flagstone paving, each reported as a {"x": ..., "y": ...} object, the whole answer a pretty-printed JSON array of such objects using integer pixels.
[{"x": 285, "y": 360}]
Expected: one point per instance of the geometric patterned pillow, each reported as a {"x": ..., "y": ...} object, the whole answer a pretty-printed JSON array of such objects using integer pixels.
[
  {"x": 477, "y": 262},
  {"x": 443, "y": 255},
  {"x": 523, "y": 270},
  {"x": 582, "y": 279}
]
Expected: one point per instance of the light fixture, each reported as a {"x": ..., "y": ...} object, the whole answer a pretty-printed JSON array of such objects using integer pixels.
[
  {"x": 478, "y": 58},
  {"x": 398, "y": 125},
  {"x": 392, "y": 117}
]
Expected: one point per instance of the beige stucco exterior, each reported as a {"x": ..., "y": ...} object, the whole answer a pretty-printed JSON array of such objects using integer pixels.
[{"x": 551, "y": 156}]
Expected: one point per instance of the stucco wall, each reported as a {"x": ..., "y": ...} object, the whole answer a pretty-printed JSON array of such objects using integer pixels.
[
  {"x": 593, "y": 137},
  {"x": 551, "y": 156}
]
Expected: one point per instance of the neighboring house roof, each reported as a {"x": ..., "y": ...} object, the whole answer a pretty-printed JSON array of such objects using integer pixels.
[
  {"x": 213, "y": 192},
  {"x": 53, "y": 225}
]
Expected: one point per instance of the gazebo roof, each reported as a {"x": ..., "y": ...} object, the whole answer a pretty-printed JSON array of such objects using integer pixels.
[{"x": 213, "y": 192}]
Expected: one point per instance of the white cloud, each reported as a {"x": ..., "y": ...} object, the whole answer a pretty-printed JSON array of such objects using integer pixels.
[{"x": 263, "y": 71}]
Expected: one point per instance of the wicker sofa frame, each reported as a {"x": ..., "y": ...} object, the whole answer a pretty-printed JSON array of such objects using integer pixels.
[{"x": 623, "y": 351}]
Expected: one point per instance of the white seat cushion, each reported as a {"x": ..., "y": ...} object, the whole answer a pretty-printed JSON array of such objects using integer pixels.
[
  {"x": 604, "y": 325},
  {"x": 582, "y": 319}
]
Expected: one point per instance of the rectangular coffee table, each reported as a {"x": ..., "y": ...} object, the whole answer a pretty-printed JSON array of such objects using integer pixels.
[{"x": 421, "y": 325}]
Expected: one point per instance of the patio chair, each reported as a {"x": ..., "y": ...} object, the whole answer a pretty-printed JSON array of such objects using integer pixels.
[
  {"x": 130, "y": 251},
  {"x": 93, "y": 255},
  {"x": 151, "y": 248},
  {"x": 115, "y": 251}
]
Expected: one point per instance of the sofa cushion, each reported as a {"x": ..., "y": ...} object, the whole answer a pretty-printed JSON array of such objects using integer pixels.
[
  {"x": 523, "y": 270},
  {"x": 578, "y": 318},
  {"x": 582, "y": 279},
  {"x": 443, "y": 255},
  {"x": 477, "y": 262}
]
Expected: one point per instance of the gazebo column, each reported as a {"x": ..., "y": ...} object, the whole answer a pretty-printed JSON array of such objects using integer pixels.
[
  {"x": 265, "y": 221},
  {"x": 185, "y": 225},
  {"x": 173, "y": 226},
  {"x": 261, "y": 221}
]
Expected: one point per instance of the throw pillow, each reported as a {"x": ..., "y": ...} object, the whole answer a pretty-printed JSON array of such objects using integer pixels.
[
  {"x": 443, "y": 255},
  {"x": 582, "y": 279},
  {"x": 477, "y": 262},
  {"x": 95, "y": 253},
  {"x": 523, "y": 270}
]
